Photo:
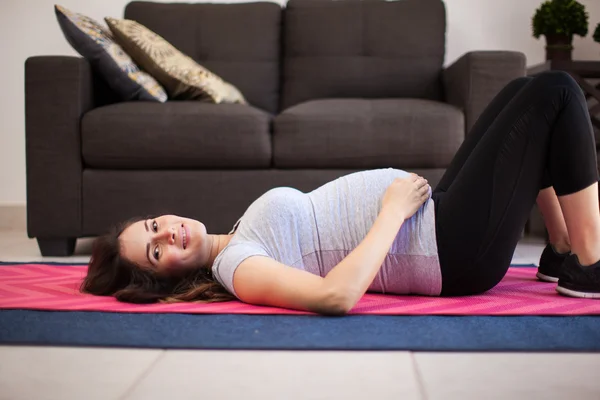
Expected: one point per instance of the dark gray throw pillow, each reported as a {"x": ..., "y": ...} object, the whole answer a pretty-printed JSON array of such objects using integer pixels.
[{"x": 97, "y": 45}]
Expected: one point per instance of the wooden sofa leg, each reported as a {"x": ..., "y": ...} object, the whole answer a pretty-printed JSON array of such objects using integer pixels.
[{"x": 57, "y": 247}]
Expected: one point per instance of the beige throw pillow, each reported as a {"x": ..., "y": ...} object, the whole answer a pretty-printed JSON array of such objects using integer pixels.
[{"x": 182, "y": 77}]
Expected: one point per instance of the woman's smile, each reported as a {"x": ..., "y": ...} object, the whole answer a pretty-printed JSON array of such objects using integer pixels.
[{"x": 185, "y": 236}]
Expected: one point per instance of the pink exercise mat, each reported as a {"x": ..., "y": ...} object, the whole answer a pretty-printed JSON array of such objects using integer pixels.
[{"x": 55, "y": 288}]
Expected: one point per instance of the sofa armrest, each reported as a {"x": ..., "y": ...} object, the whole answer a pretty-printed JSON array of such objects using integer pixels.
[
  {"x": 58, "y": 91},
  {"x": 475, "y": 78}
]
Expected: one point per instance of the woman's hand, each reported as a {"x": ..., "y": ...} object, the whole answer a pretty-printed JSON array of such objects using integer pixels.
[{"x": 405, "y": 196}]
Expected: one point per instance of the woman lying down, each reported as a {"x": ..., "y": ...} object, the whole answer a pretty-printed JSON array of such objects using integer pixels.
[{"x": 385, "y": 230}]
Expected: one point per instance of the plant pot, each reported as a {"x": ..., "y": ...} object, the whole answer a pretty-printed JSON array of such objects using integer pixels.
[{"x": 559, "y": 47}]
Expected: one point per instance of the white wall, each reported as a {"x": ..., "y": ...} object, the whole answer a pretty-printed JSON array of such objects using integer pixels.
[{"x": 29, "y": 28}]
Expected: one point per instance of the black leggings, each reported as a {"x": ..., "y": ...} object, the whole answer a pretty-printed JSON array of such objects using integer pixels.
[{"x": 536, "y": 133}]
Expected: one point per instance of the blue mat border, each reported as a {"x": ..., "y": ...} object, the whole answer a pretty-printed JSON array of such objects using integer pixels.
[{"x": 285, "y": 332}]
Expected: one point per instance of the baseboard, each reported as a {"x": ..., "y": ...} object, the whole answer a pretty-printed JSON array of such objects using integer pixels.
[{"x": 13, "y": 218}]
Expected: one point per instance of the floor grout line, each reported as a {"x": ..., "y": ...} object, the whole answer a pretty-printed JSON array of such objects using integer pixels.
[
  {"x": 142, "y": 376},
  {"x": 420, "y": 381}
]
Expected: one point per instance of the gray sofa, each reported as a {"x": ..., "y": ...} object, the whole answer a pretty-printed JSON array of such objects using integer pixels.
[{"x": 334, "y": 87}]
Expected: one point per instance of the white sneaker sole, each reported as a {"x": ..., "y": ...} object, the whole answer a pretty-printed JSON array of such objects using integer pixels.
[
  {"x": 546, "y": 278},
  {"x": 574, "y": 293}
]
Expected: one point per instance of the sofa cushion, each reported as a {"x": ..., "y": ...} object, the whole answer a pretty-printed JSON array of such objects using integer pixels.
[
  {"x": 96, "y": 43},
  {"x": 183, "y": 134},
  {"x": 362, "y": 133},
  {"x": 238, "y": 42},
  {"x": 183, "y": 77},
  {"x": 356, "y": 48}
]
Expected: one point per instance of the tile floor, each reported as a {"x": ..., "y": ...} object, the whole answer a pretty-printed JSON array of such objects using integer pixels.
[{"x": 66, "y": 373}]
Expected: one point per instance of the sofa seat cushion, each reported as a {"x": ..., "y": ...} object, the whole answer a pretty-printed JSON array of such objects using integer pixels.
[
  {"x": 362, "y": 133},
  {"x": 182, "y": 134}
]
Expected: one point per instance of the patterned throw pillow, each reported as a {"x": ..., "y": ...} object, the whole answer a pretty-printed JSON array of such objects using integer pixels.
[
  {"x": 97, "y": 45},
  {"x": 183, "y": 78}
]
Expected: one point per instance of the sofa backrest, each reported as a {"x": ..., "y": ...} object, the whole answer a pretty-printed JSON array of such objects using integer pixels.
[
  {"x": 362, "y": 48},
  {"x": 238, "y": 42}
]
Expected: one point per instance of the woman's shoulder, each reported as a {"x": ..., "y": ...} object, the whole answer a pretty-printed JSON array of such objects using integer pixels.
[
  {"x": 236, "y": 249},
  {"x": 231, "y": 257}
]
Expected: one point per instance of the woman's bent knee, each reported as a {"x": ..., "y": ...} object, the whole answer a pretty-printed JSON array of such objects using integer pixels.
[
  {"x": 521, "y": 80},
  {"x": 557, "y": 78}
]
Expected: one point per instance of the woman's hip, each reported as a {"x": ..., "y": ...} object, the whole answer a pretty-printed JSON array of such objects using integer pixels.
[{"x": 468, "y": 265}]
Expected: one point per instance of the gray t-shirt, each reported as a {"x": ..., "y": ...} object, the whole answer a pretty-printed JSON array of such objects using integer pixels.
[{"x": 314, "y": 231}]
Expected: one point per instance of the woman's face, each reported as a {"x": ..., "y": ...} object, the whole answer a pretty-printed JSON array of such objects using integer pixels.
[{"x": 168, "y": 244}]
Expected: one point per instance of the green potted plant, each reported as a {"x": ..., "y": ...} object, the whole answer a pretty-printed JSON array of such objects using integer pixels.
[
  {"x": 559, "y": 21},
  {"x": 597, "y": 33}
]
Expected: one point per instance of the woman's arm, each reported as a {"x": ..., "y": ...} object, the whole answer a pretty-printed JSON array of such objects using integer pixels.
[
  {"x": 263, "y": 281},
  {"x": 354, "y": 274}
]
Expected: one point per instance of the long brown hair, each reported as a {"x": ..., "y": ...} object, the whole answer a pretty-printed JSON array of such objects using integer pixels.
[{"x": 110, "y": 274}]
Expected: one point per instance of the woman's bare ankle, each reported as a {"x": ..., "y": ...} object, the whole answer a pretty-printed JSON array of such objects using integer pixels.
[
  {"x": 561, "y": 245},
  {"x": 587, "y": 255},
  {"x": 585, "y": 243}
]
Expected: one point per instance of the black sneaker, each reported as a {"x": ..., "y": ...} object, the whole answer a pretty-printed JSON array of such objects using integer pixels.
[
  {"x": 578, "y": 281},
  {"x": 550, "y": 263}
]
